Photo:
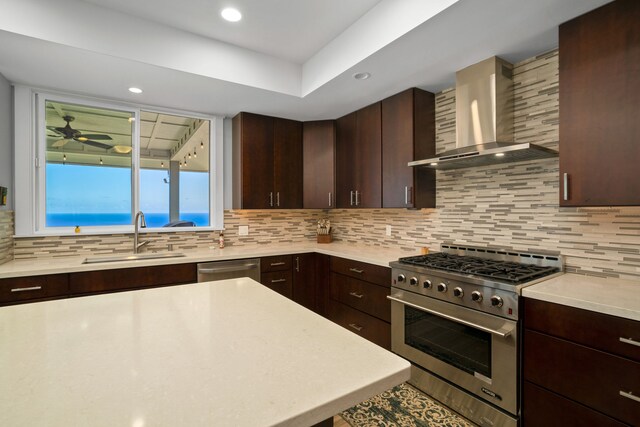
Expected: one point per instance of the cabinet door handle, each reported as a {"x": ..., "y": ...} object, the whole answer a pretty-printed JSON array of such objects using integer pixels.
[
  {"x": 357, "y": 200},
  {"x": 32, "y": 288},
  {"x": 329, "y": 198},
  {"x": 351, "y": 198},
  {"x": 271, "y": 199},
  {"x": 355, "y": 270},
  {"x": 275, "y": 264},
  {"x": 410, "y": 195},
  {"x": 628, "y": 395},
  {"x": 566, "y": 186},
  {"x": 297, "y": 264},
  {"x": 278, "y": 199},
  {"x": 278, "y": 280},
  {"x": 359, "y": 328},
  {"x": 406, "y": 195},
  {"x": 355, "y": 294},
  {"x": 630, "y": 341}
]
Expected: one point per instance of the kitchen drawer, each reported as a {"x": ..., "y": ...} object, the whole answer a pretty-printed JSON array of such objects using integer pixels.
[
  {"x": 363, "y": 271},
  {"x": 131, "y": 278},
  {"x": 600, "y": 331},
  {"x": 275, "y": 263},
  {"x": 590, "y": 377},
  {"x": 544, "y": 408},
  {"x": 279, "y": 281},
  {"x": 33, "y": 287},
  {"x": 368, "y": 327},
  {"x": 361, "y": 295}
]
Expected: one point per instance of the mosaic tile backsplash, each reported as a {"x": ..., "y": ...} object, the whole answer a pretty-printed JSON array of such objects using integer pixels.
[
  {"x": 511, "y": 206},
  {"x": 6, "y": 236}
]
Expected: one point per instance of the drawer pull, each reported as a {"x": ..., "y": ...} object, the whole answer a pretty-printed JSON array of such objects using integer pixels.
[
  {"x": 32, "y": 288},
  {"x": 278, "y": 280},
  {"x": 359, "y": 328},
  {"x": 630, "y": 341},
  {"x": 355, "y": 270},
  {"x": 355, "y": 294},
  {"x": 275, "y": 264},
  {"x": 628, "y": 395}
]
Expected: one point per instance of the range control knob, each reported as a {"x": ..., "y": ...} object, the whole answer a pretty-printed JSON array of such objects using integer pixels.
[
  {"x": 458, "y": 292},
  {"x": 476, "y": 296},
  {"x": 496, "y": 301},
  {"x": 442, "y": 287},
  {"x": 426, "y": 284},
  {"x": 401, "y": 278},
  {"x": 413, "y": 281}
]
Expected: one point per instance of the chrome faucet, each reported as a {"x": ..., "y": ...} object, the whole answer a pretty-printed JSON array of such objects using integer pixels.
[{"x": 143, "y": 224}]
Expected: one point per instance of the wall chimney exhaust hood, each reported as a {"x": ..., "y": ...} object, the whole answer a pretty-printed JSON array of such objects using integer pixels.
[{"x": 484, "y": 121}]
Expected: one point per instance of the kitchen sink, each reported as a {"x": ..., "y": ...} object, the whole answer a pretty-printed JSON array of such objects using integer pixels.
[{"x": 131, "y": 257}]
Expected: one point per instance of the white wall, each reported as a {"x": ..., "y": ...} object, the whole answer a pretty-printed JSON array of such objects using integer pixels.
[{"x": 6, "y": 136}]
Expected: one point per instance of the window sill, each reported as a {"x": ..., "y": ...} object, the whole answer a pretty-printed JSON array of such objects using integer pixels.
[{"x": 114, "y": 231}]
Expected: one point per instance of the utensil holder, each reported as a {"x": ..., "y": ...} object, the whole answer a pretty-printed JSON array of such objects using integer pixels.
[{"x": 324, "y": 238}]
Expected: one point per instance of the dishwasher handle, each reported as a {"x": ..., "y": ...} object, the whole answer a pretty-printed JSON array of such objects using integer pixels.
[{"x": 227, "y": 269}]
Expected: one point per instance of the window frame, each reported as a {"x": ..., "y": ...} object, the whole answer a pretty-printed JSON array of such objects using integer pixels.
[{"x": 30, "y": 162}]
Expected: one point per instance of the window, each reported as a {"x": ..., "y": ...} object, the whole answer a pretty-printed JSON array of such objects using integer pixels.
[{"x": 98, "y": 163}]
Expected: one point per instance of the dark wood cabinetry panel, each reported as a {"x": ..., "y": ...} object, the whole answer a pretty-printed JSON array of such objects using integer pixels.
[
  {"x": 275, "y": 263},
  {"x": 588, "y": 328},
  {"x": 28, "y": 289},
  {"x": 544, "y": 408},
  {"x": 305, "y": 291},
  {"x": 361, "y": 295},
  {"x": 587, "y": 376},
  {"x": 323, "y": 265},
  {"x": 359, "y": 158},
  {"x": 366, "y": 326},
  {"x": 253, "y": 161},
  {"x": 267, "y": 162},
  {"x": 345, "y": 160},
  {"x": 362, "y": 270},
  {"x": 319, "y": 140},
  {"x": 599, "y": 102},
  {"x": 287, "y": 166},
  {"x": 131, "y": 278},
  {"x": 279, "y": 281},
  {"x": 408, "y": 133}
]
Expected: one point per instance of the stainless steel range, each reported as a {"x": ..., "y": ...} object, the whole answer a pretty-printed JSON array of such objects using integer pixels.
[{"x": 454, "y": 315}]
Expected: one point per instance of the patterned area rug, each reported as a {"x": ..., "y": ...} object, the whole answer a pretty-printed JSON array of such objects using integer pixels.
[{"x": 402, "y": 406}]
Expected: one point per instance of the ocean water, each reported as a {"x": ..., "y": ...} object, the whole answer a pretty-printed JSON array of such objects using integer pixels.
[{"x": 95, "y": 219}]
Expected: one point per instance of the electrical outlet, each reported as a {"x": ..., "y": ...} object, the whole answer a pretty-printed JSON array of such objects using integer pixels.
[
  {"x": 388, "y": 232},
  {"x": 243, "y": 230}
]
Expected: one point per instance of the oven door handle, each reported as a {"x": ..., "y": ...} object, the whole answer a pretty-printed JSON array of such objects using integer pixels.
[{"x": 500, "y": 333}]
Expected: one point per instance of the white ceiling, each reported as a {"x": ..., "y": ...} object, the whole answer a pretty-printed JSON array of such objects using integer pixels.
[{"x": 85, "y": 48}]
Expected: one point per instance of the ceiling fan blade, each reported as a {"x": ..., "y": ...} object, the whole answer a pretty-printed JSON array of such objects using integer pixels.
[
  {"x": 60, "y": 143},
  {"x": 54, "y": 129},
  {"x": 95, "y": 136},
  {"x": 95, "y": 144}
]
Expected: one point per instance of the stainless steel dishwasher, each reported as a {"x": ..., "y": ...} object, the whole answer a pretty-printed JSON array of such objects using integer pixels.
[{"x": 220, "y": 270}]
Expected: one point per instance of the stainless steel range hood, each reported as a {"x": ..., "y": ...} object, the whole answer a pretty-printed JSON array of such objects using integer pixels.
[{"x": 484, "y": 121}]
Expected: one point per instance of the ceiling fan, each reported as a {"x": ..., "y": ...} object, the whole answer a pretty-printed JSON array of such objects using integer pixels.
[{"x": 68, "y": 133}]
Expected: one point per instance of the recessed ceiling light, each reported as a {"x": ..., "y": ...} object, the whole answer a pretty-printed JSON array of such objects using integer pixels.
[
  {"x": 135, "y": 90},
  {"x": 499, "y": 154},
  {"x": 361, "y": 76},
  {"x": 230, "y": 14}
]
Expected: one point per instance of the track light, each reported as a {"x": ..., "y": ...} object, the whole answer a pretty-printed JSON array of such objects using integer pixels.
[{"x": 100, "y": 160}]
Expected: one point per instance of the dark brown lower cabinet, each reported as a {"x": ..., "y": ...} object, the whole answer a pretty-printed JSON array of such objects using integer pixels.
[
  {"x": 369, "y": 327},
  {"x": 279, "y": 281},
  {"x": 99, "y": 281},
  {"x": 33, "y": 288},
  {"x": 589, "y": 372},
  {"x": 305, "y": 290}
]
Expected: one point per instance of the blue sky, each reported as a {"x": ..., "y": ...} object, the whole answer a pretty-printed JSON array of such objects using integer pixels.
[{"x": 103, "y": 189}]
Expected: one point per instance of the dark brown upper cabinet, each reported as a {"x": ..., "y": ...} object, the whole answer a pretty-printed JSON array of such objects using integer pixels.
[
  {"x": 599, "y": 104},
  {"x": 358, "y": 158},
  {"x": 319, "y": 152},
  {"x": 267, "y": 162},
  {"x": 408, "y": 133}
]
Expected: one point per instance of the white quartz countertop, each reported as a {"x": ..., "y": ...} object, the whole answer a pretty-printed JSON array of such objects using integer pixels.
[
  {"x": 227, "y": 353},
  {"x": 616, "y": 297},
  {"x": 372, "y": 255}
]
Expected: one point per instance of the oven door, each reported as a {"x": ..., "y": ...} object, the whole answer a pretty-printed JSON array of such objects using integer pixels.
[{"x": 473, "y": 350}]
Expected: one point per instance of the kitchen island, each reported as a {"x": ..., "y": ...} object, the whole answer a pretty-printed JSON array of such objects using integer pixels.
[{"x": 227, "y": 353}]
